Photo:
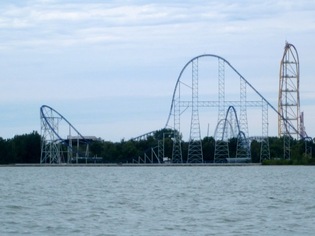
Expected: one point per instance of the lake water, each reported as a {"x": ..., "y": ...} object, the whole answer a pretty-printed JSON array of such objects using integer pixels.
[{"x": 239, "y": 200}]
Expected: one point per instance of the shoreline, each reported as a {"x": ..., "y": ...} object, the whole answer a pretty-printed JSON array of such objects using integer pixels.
[{"x": 134, "y": 165}]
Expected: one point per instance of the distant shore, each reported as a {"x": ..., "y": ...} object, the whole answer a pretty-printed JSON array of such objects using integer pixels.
[{"x": 133, "y": 165}]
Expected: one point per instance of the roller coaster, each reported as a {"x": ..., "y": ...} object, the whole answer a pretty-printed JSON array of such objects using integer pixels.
[
  {"x": 61, "y": 141},
  {"x": 233, "y": 111},
  {"x": 291, "y": 120},
  {"x": 190, "y": 98},
  {"x": 194, "y": 94}
]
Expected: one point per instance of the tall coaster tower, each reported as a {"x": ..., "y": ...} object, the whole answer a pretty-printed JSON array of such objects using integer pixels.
[{"x": 289, "y": 98}]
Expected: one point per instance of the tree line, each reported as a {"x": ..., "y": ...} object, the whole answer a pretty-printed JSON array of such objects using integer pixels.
[
  {"x": 20, "y": 149},
  {"x": 26, "y": 148}
]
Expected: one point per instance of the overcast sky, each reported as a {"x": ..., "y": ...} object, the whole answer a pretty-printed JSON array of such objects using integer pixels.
[{"x": 110, "y": 67}]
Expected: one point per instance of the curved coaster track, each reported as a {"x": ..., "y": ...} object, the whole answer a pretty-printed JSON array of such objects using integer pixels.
[
  {"x": 209, "y": 88},
  {"x": 61, "y": 141}
]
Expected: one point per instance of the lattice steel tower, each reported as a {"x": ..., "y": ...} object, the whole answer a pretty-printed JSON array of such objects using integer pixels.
[
  {"x": 195, "y": 146},
  {"x": 50, "y": 143}
]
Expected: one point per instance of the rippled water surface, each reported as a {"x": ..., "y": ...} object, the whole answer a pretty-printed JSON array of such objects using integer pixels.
[{"x": 253, "y": 200}]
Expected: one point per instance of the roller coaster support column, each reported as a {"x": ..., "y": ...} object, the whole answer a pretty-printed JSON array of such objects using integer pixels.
[
  {"x": 195, "y": 146},
  {"x": 221, "y": 89},
  {"x": 50, "y": 145},
  {"x": 243, "y": 111},
  {"x": 177, "y": 143},
  {"x": 221, "y": 147},
  {"x": 264, "y": 150}
]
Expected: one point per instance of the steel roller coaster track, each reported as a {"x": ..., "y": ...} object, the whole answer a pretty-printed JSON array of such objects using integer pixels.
[{"x": 52, "y": 141}]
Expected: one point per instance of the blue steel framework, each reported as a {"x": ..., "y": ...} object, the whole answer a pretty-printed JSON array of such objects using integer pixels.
[
  {"x": 180, "y": 105},
  {"x": 228, "y": 128},
  {"x": 52, "y": 144}
]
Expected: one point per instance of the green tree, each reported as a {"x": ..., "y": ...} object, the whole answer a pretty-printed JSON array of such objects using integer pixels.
[
  {"x": 255, "y": 151},
  {"x": 208, "y": 145}
]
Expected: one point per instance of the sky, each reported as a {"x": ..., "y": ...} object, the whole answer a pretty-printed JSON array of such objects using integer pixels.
[{"x": 110, "y": 67}]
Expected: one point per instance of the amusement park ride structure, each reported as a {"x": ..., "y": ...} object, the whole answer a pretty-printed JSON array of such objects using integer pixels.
[
  {"x": 290, "y": 119},
  {"x": 61, "y": 141},
  {"x": 228, "y": 125},
  {"x": 232, "y": 114},
  {"x": 195, "y": 107}
]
